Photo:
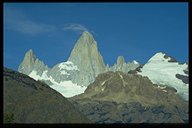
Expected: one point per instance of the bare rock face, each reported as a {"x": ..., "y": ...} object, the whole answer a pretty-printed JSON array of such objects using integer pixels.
[
  {"x": 115, "y": 97},
  {"x": 30, "y": 62},
  {"x": 122, "y": 66},
  {"x": 89, "y": 61},
  {"x": 124, "y": 88},
  {"x": 120, "y": 61}
]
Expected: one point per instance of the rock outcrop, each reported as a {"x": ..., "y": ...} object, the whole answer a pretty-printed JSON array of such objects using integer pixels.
[
  {"x": 115, "y": 97},
  {"x": 31, "y": 63},
  {"x": 122, "y": 66},
  {"x": 89, "y": 61}
]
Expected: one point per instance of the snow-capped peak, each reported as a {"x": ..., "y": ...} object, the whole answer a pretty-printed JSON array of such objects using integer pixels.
[
  {"x": 135, "y": 62},
  {"x": 160, "y": 56},
  {"x": 160, "y": 70}
]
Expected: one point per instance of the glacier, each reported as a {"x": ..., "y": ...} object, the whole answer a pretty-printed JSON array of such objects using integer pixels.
[
  {"x": 66, "y": 87},
  {"x": 162, "y": 72}
]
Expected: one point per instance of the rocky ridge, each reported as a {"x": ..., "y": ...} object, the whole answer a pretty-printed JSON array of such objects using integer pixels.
[
  {"x": 122, "y": 66},
  {"x": 84, "y": 64},
  {"x": 30, "y": 63},
  {"x": 28, "y": 101},
  {"x": 115, "y": 97},
  {"x": 89, "y": 61}
]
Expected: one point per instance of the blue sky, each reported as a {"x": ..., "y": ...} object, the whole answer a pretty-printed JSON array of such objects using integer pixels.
[{"x": 134, "y": 30}]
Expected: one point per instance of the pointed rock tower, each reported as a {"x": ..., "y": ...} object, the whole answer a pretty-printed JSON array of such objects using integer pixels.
[
  {"x": 30, "y": 63},
  {"x": 86, "y": 56},
  {"x": 122, "y": 66},
  {"x": 120, "y": 61}
]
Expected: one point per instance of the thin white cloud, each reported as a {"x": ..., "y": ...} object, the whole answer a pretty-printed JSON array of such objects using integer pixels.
[
  {"x": 18, "y": 21},
  {"x": 75, "y": 27},
  {"x": 32, "y": 28}
]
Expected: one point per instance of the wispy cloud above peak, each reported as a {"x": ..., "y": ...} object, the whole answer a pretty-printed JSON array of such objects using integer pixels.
[
  {"x": 17, "y": 21},
  {"x": 75, "y": 27}
]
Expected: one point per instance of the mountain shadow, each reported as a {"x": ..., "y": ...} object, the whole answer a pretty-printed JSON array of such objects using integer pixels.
[{"x": 28, "y": 101}]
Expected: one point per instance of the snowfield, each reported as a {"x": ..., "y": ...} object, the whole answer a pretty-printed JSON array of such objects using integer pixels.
[
  {"x": 66, "y": 88},
  {"x": 162, "y": 72}
]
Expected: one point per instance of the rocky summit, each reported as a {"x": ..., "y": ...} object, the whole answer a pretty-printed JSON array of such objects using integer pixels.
[
  {"x": 89, "y": 61},
  {"x": 115, "y": 97},
  {"x": 32, "y": 63},
  {"x": 122, "y": 66}
]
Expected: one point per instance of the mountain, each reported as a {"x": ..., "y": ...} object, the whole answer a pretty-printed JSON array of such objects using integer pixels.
[
  {"x": 156, "y": 92},
  {"x": 31, "y": 63},
  {"x": 115, "y": 97},
  {"x": 89, "y": 61},
  {"x": 122, "y": 66},
  {"x": 61, "y": 78},
  {"x": 85, "y": 63},
  {"x": 28, "y": 101},
  {"x": 73, "y": 76},
  {"x": 164, "y": 70}
]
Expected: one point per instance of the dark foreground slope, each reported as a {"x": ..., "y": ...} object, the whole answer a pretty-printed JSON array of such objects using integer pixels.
[
  {"x": 115, "y": 97},
  {"x": 29, "y": 101}
]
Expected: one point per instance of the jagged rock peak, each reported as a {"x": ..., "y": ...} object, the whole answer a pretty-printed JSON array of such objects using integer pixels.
[
  {"x": 86, "y": 56},
  {"x": 87, "y": 34},
  {"x": 28, "y": 62},
  {"x": 160, "y": 56},
  {"x": 29, "y": 56},
  {"x": 86, "y": 37},
  {"x": 120, "y": 60}
]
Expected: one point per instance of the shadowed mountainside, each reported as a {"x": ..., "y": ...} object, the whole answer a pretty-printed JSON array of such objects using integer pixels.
[{"x": 30, "y": 101}]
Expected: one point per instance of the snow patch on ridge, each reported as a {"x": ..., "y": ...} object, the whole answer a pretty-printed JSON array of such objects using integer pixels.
[
  {"x": 44, "y": 75},
  {"x": 162, "y": 72},
  {"x": 64, "y": 72},
  {"x": 120, "y": 76},
  {"x": 34, "y": 75},
  {"x": 66, "y": 88},
  {"x": 68, "y": 66},
  {"x": 161, "y": 87},
  {"x": 103, "y": 82},
  {"x": 135, "y": 62},
  {"x": 159, "y": 57}
]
